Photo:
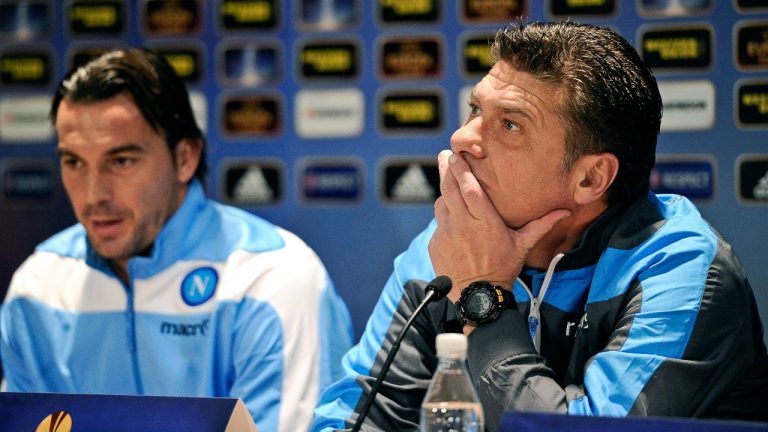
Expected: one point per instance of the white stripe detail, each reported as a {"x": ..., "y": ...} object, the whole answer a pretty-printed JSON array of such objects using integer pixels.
[
  {"x": 67, "y": 284},
  {"x": 292, "y": 280}
]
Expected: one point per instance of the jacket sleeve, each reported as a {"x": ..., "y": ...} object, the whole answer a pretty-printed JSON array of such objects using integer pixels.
[
  {"x": 19, "y": 337},
  {"x": 289, "y": 335},
  {"x": 15, "y": 373},
  {"x": 667, "y": 349},
  {"x": 396, "y": 406},
  {"x": 507, "y": 371}
]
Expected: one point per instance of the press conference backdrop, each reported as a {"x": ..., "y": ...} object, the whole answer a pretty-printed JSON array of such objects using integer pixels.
[{"x": 325, "y": 116}]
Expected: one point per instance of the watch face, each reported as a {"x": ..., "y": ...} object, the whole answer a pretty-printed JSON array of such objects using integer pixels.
[{"x": 480, "y": 304}]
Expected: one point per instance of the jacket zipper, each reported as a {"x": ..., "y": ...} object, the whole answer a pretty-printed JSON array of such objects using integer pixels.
[
  {"x": 534, "y": 316},
  {"x": 130, "y": 329}
]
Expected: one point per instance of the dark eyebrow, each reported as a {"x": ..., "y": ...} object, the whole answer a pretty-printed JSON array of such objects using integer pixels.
[
  {"x": 130, "y": 147},
  {"x": 505, "y": 109},
  {"x": 61, "y": 152}
]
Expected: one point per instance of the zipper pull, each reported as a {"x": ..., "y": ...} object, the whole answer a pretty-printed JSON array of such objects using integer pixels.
[{"x": 533, "y": 322}]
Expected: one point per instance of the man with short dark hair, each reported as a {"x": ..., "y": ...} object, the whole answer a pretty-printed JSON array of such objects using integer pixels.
[
  {"x": 581, "y": 291},
  {"x": 158, "y": 290}
]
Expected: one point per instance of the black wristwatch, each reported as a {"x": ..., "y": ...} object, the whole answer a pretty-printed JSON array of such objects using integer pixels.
[{"x": 482, "y": 302}]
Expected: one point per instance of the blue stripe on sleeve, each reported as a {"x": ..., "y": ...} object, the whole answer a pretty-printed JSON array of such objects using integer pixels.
[
  {"x": 339, "y": 400},
  {"x": 672, "y": 272},
  {"x": 613, "y": 381},
  {"x": 259, "y": 383},
  {"x": 335, "y": 335}
]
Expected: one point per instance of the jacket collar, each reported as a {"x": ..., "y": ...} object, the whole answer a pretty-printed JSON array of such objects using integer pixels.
[
  {"x": 174, "y": 232},
  {"x": 619, "y": 226}
]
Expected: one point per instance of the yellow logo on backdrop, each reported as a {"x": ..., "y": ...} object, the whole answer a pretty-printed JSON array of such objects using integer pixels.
[
  {"x": 94, "y": 16},
  {"x": 411, "y": 111},
  {"x": 677, "y": 47},
  {"x": 411, "y": 7},
  {"x": 183, "y": 63},
  {"x": 674, "y": 48},
  {"x": 23, "y": 68},
  {"x": 757, "y": 100},
  {"x": 248, "y": 12},
  {"x": 328, "y": 59}
]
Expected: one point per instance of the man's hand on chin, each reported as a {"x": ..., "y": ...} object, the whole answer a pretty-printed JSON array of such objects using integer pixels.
[{"x": 471, "y": 241}]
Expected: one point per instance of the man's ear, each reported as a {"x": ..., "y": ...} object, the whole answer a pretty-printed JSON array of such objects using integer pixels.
[
  {"x": 187, "y": 157},
  {"x": 594, "y": 175}
]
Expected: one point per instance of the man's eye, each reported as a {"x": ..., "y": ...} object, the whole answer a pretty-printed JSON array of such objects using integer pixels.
[
  {"x": 510, "y": 125},
  {"x": 474, "y": 110},
  {"x": 70, "y": 162},
  {"x": 123, "y": 162}
]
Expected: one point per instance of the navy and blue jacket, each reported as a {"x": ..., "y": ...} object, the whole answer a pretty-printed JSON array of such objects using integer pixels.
[{"x": 649, "y": 314}]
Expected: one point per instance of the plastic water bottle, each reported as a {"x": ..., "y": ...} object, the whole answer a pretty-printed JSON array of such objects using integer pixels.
[{"x": 451, "y": 403}]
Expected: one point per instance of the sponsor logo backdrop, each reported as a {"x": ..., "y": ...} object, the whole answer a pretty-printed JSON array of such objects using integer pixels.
[{"x": 325, "y": 116}]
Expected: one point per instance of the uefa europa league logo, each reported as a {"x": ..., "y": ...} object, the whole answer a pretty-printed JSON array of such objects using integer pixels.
[{"x": 59, "y": 421}]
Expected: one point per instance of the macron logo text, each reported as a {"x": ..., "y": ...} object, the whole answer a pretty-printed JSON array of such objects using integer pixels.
[{"x": 181, "y": 329}]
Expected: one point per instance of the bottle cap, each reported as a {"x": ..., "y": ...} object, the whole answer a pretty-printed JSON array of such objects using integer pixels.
[{"x": 451, "y": 345}]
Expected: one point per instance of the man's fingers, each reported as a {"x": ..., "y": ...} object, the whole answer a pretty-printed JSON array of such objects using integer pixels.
[
  {"x": 449, "y": 187},
  {"x": 472, "y": 193},
  {"x": 441, "y": 211},
  {"x": 447, "y": 180}
]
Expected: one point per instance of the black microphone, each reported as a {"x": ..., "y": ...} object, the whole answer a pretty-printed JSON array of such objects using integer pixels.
[{"x": 438, "y": 288}]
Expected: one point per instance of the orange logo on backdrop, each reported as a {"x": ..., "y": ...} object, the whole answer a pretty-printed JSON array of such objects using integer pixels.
[{"x": 57, "y": 422}]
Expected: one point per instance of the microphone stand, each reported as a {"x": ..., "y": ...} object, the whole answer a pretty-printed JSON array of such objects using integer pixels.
[{"x": 437, "y": 289}]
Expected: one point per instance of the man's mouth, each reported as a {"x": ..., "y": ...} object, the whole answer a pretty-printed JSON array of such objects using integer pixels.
[{"x": 105, "y": 227}]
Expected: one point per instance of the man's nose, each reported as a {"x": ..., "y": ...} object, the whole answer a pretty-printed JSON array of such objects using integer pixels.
[
  {"x": 99, "y": 187},
  {"x": 469, "y": 139}
]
